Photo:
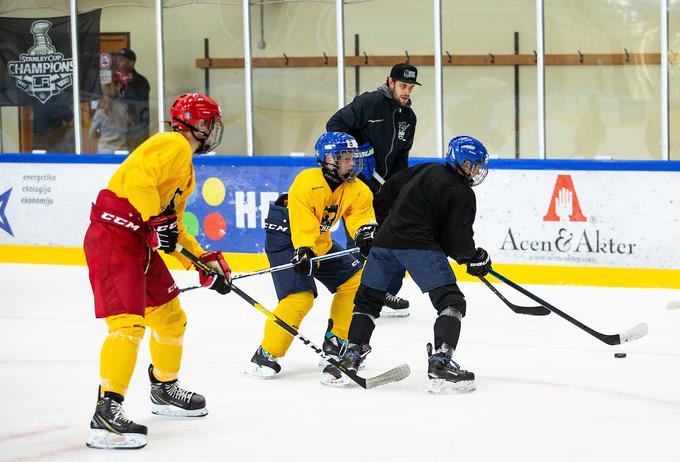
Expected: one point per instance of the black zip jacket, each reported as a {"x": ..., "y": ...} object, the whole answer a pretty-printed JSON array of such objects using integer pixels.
[
  {"x": 377, "y": 118},
  {"x": 428, "y": 206}
]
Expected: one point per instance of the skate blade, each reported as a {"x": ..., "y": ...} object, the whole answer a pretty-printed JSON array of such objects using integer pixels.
[
  {"x": 441, "y": 386},
  {"x": 330, "y": 380},
  {"x": 259, "y": 372},
  {"x": 391, "y": 313},
  {"x": 104, "y": 439},
  {"x": 174, "y": 411}
]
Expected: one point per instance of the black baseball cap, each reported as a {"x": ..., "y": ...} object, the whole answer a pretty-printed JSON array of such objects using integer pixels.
[
  {"x": 404, "y": 73},
  {"x": 127, "y": 53}
]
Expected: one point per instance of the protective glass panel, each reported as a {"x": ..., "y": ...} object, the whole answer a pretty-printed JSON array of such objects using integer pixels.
[
  {"x": 602, "y": 86},
  {"x": 36, "y": 88},
  {"x": 488, "y": 93},
  {"x": 122, "y": 111},
  {"x": 220, "y": 35},
  {"x": 291, "y": 104},
  {"x": 403, "y": 33},
  {"x": 674, "y": 78}
]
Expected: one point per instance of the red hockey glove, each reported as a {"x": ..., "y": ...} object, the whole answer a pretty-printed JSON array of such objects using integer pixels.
[
  {"x": 364, "y": 238},
  {"x": 163, "y": 232},
  {"x": 220, "y": 279},
  {"x": 480, "y": 264}
]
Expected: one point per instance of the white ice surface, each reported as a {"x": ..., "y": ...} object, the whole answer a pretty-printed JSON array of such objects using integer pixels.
[{"x": 546, "y": 391}]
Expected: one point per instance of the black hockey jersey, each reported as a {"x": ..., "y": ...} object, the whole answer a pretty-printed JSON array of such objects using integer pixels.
[{"x": 428, "y": 206}]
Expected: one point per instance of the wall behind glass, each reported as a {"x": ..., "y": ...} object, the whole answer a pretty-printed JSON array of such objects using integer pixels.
[
  {"x": 291, "y": 105},
  {"x": 674, "y": 79},
  {"x": 185, "y": 28},
  {"x": 393, "y": 27},
  {"x": 480, "y": 100},
  {"x": 23, "y": 128},
  {"x": 132, "y": 27},
  {"x": 605, "y": 110}
]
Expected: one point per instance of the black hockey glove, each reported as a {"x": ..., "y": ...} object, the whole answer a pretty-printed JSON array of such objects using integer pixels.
[
  {"x": 480, "y": 264},
  {"x": 163, "y": 232},
  {"x": 364, "y": 238},
  {"x": 302, "y": 261}
]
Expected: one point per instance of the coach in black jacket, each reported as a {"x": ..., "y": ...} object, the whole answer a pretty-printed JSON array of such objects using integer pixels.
[{"x": 384, "y": 119}]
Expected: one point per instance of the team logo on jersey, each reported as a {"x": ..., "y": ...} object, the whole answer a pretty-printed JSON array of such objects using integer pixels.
[
  {"x": 42, "y": 72},
  {"x": 4, "y": 223},
  {"x": 403, "y": 126},
  {"x": 564, "y": 204},
  {"x": 330, "y": 213},
  {"x": 169, "y": 209}
]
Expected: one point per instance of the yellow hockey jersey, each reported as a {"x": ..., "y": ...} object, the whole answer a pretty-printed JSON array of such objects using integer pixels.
[
  {"x": 314, "y": 208},
  {"x": 159, "y": 176}
]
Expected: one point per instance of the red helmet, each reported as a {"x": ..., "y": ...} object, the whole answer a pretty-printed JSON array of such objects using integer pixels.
[{"x": 189, "y": 109}]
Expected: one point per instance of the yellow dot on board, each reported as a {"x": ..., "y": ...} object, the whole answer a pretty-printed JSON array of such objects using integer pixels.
[{"x": 213, "y": 191}]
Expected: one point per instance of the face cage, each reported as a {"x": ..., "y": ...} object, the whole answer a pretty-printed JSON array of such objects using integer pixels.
[
  {"x": 352, "y": 174},
  {"x": 483, "y": 170},
  {"x": 212, "y": 140}
]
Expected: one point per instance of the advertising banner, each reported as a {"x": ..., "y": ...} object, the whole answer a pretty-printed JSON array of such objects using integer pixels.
[{"x": 623, "y": 219}]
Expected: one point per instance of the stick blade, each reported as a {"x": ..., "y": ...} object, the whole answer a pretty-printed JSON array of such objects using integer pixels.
[
  {"x": 393, "y": 375},
  {"x": 634, "y": 333},
  {"x": 531, "y": 310}
]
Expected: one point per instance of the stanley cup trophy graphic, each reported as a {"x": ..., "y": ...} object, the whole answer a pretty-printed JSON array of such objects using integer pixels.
[{"x": 42, "y": 45}]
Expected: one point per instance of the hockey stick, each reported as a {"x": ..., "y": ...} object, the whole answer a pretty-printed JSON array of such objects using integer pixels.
[
  {"x": 530, "y": 310},
  {"x": 393, "y": 375},
  {"x": 286, "y": 266},
  {"x": 631, "y": 334}
]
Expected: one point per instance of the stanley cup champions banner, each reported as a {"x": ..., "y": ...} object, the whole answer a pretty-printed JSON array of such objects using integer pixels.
[{"x": 36, "y": 64}]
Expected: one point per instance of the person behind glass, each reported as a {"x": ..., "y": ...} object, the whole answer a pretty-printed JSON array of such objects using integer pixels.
[
  {"x": 429, "y": 211},
  {"x": 384, "y": 125},
  {"x": 135, "y": 90},
  {"x": 138, "y": 215},
  {"x": 110, "y": 121}
]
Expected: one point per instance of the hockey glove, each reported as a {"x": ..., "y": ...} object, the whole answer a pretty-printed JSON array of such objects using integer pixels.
[
  {"x": 480, "y": 264},
  {"x": 302, "y": 261},
  {"x": 220, "y": 279},
  {"x": 163, "y": 233},
  {"x": 364, "y": 238}
]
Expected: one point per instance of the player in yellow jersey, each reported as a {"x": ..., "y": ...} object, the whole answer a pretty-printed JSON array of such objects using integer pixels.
[
  {"x": 139, "y": 214},
  {"x": 298, "y": 229}
]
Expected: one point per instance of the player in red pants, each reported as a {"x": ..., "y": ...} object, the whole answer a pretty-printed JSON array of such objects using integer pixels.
[{"x": 139, "y": 214}]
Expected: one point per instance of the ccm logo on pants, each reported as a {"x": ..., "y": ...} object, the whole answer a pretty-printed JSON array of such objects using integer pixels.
[{"x": 119, "y": 221}]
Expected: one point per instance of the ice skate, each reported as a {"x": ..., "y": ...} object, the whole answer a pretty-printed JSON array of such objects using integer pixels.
[
  {"x": 332, "y": 344},
  {"x": 262, "y": 365},
  {"x": 111, "y": 429},
  {"x": 445, "y": 374},
  {"x": 352, "y": 358},
  {"x": 395, "y": 307},
  {"x": 168, "y": 398}
]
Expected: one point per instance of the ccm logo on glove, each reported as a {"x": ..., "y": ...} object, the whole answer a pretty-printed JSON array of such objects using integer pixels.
[{"x": 163, "y": 232}]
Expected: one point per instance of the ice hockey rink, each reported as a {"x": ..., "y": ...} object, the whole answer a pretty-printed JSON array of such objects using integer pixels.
[{"x": 546, "y": 390}]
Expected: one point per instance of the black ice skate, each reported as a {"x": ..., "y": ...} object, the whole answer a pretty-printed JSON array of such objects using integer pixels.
[
  {"x": 395, "y": 307},
  {"x": 352, "y": 357},
  {"x": 168, "y": 398},
  {"x": 263, "y": 365},
  {"x": 332, "y": 344},
  {"x": 111, "y": 429},
  {"x": 445, "y": 374}
]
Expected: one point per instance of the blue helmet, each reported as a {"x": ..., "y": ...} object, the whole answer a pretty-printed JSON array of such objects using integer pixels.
[
  {"x": 339, "y": 146},
  {"x": 467, "y": 149}
]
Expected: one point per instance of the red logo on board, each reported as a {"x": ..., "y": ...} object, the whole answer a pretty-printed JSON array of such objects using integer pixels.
[{"x": 564, "y": 204}]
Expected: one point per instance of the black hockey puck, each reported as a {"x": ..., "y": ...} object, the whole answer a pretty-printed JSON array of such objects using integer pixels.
[{"x": 619, "y": 355}]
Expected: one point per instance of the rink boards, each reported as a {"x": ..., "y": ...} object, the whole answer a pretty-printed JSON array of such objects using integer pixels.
[{"x": 613, "y": 223}]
